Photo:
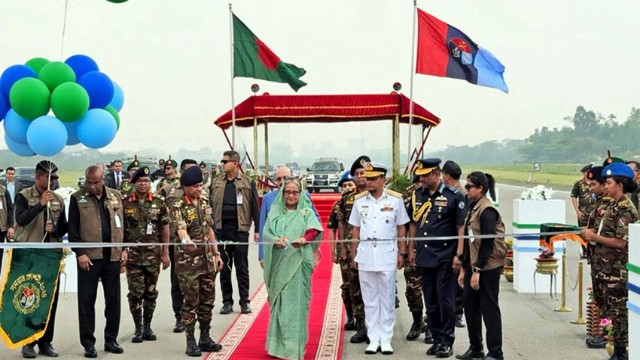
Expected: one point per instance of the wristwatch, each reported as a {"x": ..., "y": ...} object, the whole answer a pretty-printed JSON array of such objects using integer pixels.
[{"x": 476, "y": 269}]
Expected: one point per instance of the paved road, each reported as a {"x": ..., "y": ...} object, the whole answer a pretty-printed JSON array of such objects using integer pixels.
[{"x": 532, "y": 330}]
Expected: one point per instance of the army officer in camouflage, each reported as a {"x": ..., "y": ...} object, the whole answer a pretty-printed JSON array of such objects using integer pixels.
[
  {"x": 197, "y": 261},
  {"x": 146, "y": 220}
]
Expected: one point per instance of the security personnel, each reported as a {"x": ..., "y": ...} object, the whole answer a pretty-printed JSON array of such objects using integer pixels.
[
  {"x": 611, "y": 240},
  {"x": 379, "y": 248},
  {"x": 596, "y": 186},
  {"x": 197, "y": 262},
  {"x": 126, "y": 187},
  {"x": 343, "y": 212},
  {"x": 40, "y": 217},
  {"x": 146, "y": 220},
  {"x": 159, "y": 173},
  {"x": 6, "y": 217},
  {"x": 437, "y": 210},
  {"x": 581, "y": 196},
  {"x": 170, "y": 178},
  {"x": 413, "y": 291}
]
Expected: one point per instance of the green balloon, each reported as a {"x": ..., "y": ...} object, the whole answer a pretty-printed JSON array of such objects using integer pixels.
[
  {"x": 69, "y": 102},
  {"x": 115, "y": 115},
  {"x": 37, "y": 63},
  {"x": 117, "y": 1},
  {"x": 29, "y": 97},
  {"x": 56, "y": 73}
]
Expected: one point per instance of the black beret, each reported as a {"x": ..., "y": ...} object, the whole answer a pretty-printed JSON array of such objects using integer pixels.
[
  {"x": 141, "y": 172},
  {"x": 191, "y": 176},
  {"x": 425, "y": 166},
  {"x": 46, "y": 165},
  {"x": 360, "y": 163},
  {"x": 595, "y": 173},
  {"x": 586, "y": 168},
  {"x": 135, "y": 163},
  {"x": 161, "y": 161},
  {"x": 451, "y": 168}
]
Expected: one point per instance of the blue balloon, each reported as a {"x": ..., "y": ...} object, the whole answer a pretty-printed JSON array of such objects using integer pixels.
[
  {"x": 81, "y": 64},
  {"x": 13, "y": 74},
  {"x": 72, "y": 133},
  {"x": 96, "y": 129},
  {"x": 46, "y": 135},
  {"x": 17, "y": 148},
  {"x": 4, "y": 106},
  {"x": 118, "y": 97},
  {"x": 15, "y": 127},
  {"x": 99, "y": 87}
]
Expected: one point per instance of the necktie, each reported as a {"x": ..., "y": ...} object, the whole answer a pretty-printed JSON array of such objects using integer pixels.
[{"x": 118, "y": 180}]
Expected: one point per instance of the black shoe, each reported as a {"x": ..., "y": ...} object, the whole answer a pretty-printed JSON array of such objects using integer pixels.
[
  {"x": 350, "y": 325},
  {"x": 433, "y": 349},
  {"x": 417, "y": 328},
  {"x": 226, "y": 309},
  {"x": 361, "y": 335},
  {"x": 113, "y": 347},
  {"x": 471, "y": 355},
  {"x": 47, "y": 350},
  {"x": 428, "y": 337},
  {"x": 444, "y": 351},
  {"x": 90, "y": 352},
  {"x": 597, "y": 343},
  {"x": 493, "y": 358},
  {"x": 28, "y": 351},
  {"x": 179, "y": 327},
  {"x": 460, "y": 321},
  {"x": 244, "y": 308}
]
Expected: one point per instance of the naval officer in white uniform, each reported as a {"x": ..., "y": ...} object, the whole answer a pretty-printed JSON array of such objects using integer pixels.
[{"x": 378, "y": 218}]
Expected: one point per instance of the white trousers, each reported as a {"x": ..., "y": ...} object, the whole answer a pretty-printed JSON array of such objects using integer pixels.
[{"x": 379, "y": 296}]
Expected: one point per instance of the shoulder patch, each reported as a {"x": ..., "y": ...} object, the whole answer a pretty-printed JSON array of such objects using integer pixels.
[
  {"x": 361, "y": 195},
  {"x": 394, "y": 193}
]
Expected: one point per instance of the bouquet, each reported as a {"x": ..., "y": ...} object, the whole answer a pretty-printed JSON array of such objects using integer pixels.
[
  {"x": 607, "y": 327},
  {"x": 539, "y": 192}
]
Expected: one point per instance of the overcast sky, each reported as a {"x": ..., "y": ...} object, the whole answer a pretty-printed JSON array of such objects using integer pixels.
[{"x": 172, "y": 60}]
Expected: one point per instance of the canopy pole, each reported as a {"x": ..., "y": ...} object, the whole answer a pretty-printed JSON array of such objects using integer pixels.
[
  {"x": 413, "y": 66},
  {"x": 266, "y": 148},
  {"x": 233, "y": 103},
  {"x": 255, "y": 145},
  {"x": 396, "y": 144}
]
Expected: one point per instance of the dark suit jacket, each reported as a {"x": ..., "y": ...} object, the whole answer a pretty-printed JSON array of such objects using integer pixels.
[
  {"x": 19, "y": 187},
  {"x": 110, "y": 179}
]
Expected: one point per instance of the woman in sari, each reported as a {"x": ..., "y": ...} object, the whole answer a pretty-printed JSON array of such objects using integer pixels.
[{"x": 289, "y": 235}]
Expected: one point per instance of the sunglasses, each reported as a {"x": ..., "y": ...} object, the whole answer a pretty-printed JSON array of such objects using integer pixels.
[
  {"x": 224, "y": 162},
  {"x": 469, "y": 186},
  {"x": 291, "y": 193}
]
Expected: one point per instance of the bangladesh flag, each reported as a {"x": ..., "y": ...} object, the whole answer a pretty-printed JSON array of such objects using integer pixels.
[
  {"x": 28, "y": 289},
  {"x": 253, "y": 59}
]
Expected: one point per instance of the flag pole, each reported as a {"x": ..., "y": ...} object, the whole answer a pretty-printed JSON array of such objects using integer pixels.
[
  {"x": 233, "y": 103},
  {"x": 413, "y": 66}
]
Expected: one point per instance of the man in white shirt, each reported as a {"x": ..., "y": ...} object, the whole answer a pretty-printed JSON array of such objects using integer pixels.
[
  {"x": 378, "y": 217},
  {"x": 13, "y": 186}
]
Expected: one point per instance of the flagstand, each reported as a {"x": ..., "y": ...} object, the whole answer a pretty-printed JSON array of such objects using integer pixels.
[
  {"x": 233, "y": 103},
  {"x": 413, "y": 66}
]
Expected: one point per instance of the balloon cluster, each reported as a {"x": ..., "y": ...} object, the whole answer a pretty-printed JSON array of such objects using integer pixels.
[{"x": 84, "y": 102}]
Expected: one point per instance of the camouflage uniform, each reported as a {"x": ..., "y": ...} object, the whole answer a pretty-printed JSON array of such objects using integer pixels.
[
  {"x": 165, "y": 185},
  {"x": 613, "y": 275},
  {"x": 332, "y": 224},
  {"x": 413, "y": 291},
  {"x": 126, "y": 188},
  {"x": 585, "y": 203},
  {"x": 343, "y": 211},
  {"x": 195, "y": 268},
  {"x": 143, "y": 222},
  {"x": 594, "y": 221}
]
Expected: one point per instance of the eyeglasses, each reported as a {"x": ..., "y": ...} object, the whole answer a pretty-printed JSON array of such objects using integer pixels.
[
  {"x": 283, "y": 178},
  {"x": 469, "y": 186},
  {"x": 224, "y": 162},
  {"x": 291, "y": 193},
  {"x": 168, "y": 167}
]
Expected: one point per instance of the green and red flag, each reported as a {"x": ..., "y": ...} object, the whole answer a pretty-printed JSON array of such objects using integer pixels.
[
  {"x": 253, "y": 59},
  {"x": 28, "y": 290}
]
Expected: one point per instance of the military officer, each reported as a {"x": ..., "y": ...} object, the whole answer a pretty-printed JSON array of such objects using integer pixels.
[
  {"x": 197, "y": 261},
  {"x": 170, "y": 178},
  {"x": 126, "y": 187},
  {"x": 146, "y": 220},
  {"x": 343, "y": 212},
  {"x": 611, "y": 240},
  {"x": 159, "y": 173},
  {"x": 437, "y": 210}
]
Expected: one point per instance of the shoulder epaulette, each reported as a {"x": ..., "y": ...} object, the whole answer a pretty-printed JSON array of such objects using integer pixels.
[
  {"x": 158, "y": 196},
  {"x": 394, "y": 193},
  {"x": 361, "y": 195},
  {"x": 451, "y": 188}
]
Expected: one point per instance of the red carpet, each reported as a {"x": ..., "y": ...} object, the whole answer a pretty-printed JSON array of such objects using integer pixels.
[{"x": 246, "y": 336}]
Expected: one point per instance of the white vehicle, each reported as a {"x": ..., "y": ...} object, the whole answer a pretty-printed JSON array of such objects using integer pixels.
[{"x": 324, "y": 174}]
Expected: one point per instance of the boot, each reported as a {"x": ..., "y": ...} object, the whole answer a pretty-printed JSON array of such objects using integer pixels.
[
  {"x": 192, "y": 347},
  {"x": 619, "y": 352},
  {"x": 597, "y": 342},
  {"x": 361, "y": 334},
  {"x": 137, "y": 335},
  {"x": 147, "y": 333},
  {"x": 428, "y": 337},
  {"x": 350, "y": 324},
  {"x": 206, "y": 343},
  {"x": 417, "y": 327}
]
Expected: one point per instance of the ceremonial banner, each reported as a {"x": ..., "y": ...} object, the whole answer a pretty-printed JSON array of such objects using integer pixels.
[
  {"x": 253, "y": 59},
  {"x": 28, "y": 289},
  {"x": 446, "y": 51}
]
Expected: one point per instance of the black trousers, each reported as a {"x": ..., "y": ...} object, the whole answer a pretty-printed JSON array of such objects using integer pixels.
[
  {"x": 107, "y": 272},
  {"x": 439, "y": 289},
  {"x": 234, "y": 255},
  {"x": 176, "y": 293},
  {"x": 459, "y": 301},
  {"x": 3, "y": 235},
  {"x": 482, "y": 304}
]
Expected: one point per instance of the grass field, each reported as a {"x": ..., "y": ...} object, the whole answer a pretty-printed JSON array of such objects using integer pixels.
[
  {"x": 70, "y": 177},
  {"x": 561, "y": 176}
]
